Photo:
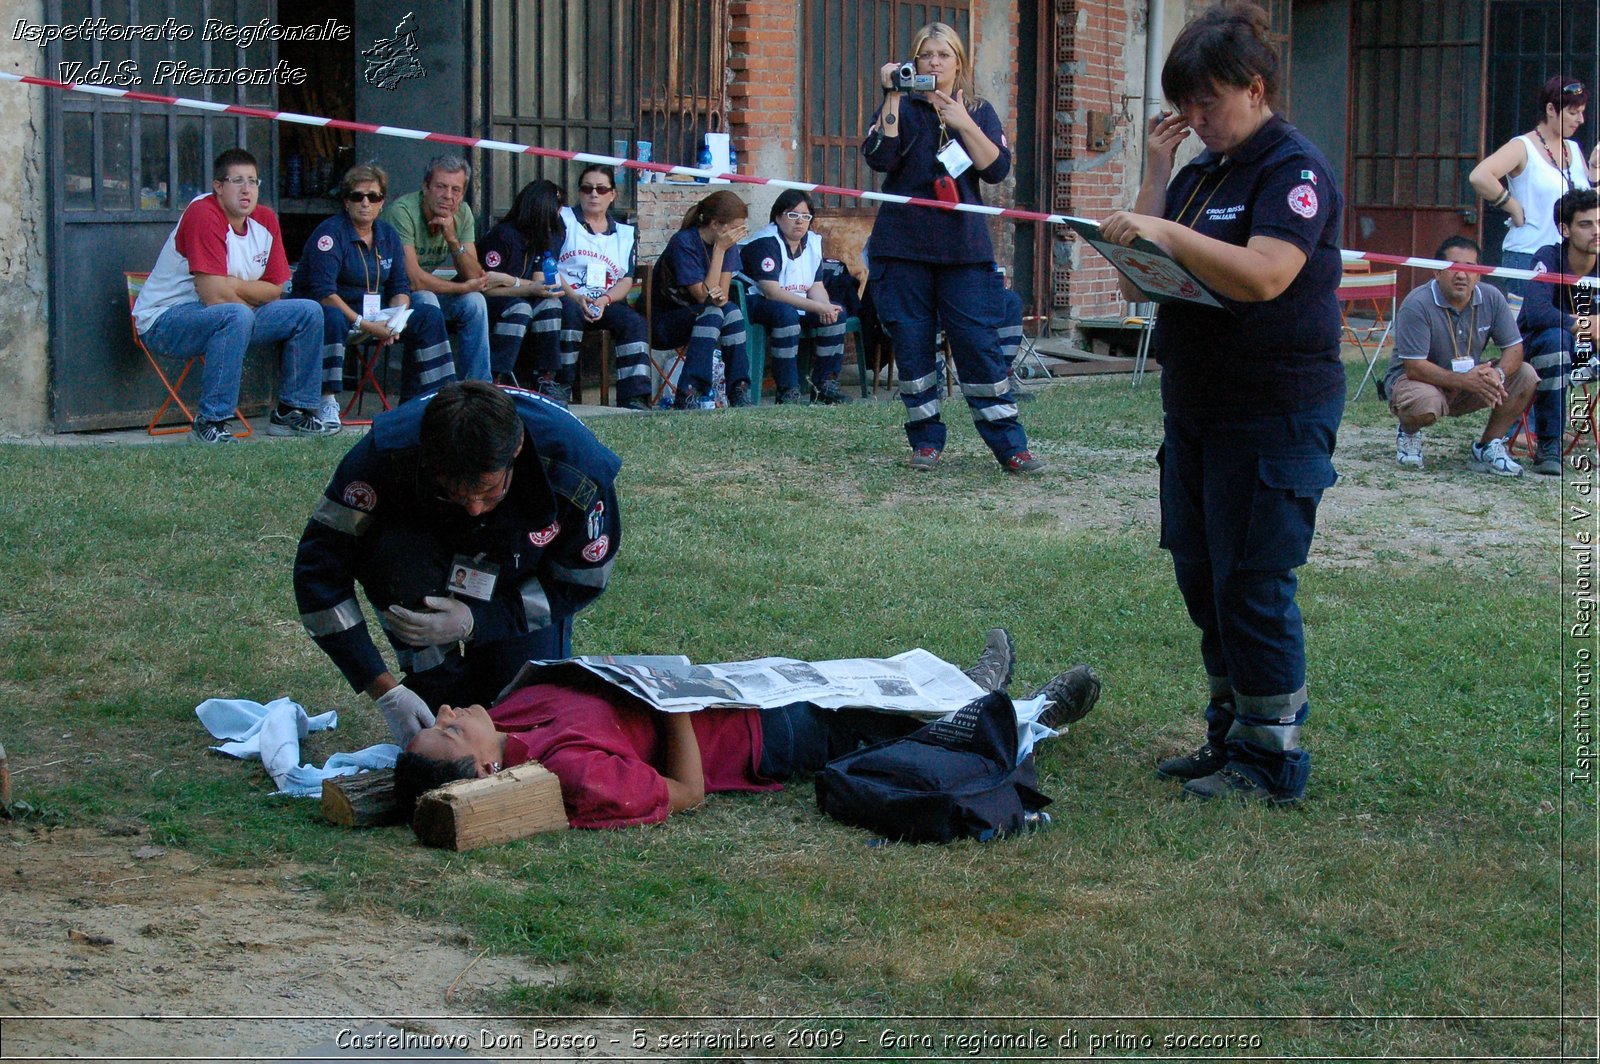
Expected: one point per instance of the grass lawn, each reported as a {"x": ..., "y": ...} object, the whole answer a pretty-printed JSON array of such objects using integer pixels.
[{"x": 1415, "y": 905}]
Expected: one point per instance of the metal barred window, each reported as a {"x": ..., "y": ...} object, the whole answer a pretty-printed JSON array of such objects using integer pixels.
[
  {"x": 600, "y": 76},
  {"x": 847, "y": 42},
  {"x": 121, "y": 160}
]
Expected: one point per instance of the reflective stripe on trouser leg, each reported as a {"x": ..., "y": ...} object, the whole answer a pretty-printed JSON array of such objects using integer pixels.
[
  {"x": 902, "y": 291},
  {"x": 335, "y": 328},
  {"x": 1010, "y": 341},
  {"x": 783, "y": 331},
  {"x": 971, "y": 308},
  {"x": 544, "y": 337},
  {"x": 735, "y": 357},
  {"x": 702, "y": 345},
  {"x": 426, "y": 369},
  {"x": 508, "y": 327},
  {"x": 1264, "y": 741},
  {"x": 829, "y": 359},
  {"x": 631, "y": 357}
]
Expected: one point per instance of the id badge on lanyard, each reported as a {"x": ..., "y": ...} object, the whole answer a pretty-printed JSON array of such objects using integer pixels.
[{"x": 370, "y": 305}]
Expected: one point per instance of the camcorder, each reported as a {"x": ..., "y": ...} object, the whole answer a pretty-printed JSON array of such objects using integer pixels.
[{"x": 906, "y": 79}]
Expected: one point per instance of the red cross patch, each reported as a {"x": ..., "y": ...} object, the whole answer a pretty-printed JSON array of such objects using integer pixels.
[
  {"x": 1303, "y": 201},
  {"x": 492, "y": 259}
]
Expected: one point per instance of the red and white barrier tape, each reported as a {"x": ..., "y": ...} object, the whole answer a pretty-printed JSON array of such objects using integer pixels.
[{"x": 688, "y": 171}]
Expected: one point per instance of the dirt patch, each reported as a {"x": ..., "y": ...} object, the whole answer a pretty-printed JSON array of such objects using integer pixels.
[{"x": 107, "y": 926}]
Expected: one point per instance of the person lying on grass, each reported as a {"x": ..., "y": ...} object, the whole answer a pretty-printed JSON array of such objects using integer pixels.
[{"x": 621, "y": 762}]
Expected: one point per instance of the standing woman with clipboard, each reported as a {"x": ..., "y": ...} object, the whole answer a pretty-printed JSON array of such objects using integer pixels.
[
  {"x": 931, "y": 267},
  {"x": 1252, "y": 392}
]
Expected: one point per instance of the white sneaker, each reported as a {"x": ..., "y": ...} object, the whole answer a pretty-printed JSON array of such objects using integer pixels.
[
  {"x": 1491, "y": 457},
  {"x": 1408, "y": 448},
  {"x": 328, "y": 413}
]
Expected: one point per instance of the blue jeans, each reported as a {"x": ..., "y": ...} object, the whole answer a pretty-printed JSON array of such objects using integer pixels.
[
  {"x": 469, "y": 313},
  {"x": 1550, "y": 352},
  {"x": 1239, "y": 500},
  {"x": 1516, "y": 260},
  {"x": 223, "y": 333},
  {"x": 913, "y": 299}
]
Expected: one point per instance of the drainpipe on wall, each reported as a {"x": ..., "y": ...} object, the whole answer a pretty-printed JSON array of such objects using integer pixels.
[{"x": 1154, "y": 49}]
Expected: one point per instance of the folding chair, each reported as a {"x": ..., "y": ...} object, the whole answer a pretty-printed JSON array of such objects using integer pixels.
[
  {"x": 370, "y": 356},
  {"x": 1027, "y": 351},
  {"x": 1142, "y": 315},
  {"x": 1370, "y": 288},
  {"x": 135, "y": 282}
]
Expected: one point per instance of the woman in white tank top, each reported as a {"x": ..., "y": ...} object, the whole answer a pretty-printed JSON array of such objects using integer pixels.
[{"x": 1538, "y": 167}]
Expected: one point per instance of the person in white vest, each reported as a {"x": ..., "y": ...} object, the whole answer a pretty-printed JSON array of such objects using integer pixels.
[
  {"x": 781, "y": 262},
  {"x": 598, "y": 261}
]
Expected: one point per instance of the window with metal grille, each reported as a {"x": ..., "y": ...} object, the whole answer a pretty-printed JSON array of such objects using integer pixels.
[
  {"x": 125, "y": 161},
  {"x": 600, "y": 76},
  {"x": 1414, "y": 102},
  {"x": 847, "y": 42}
]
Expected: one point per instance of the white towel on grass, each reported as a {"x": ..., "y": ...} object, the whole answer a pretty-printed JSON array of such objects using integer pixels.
[{"x": 272, "y": 732}]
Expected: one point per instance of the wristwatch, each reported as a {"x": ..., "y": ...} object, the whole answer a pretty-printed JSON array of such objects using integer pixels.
[{"x": 458, "y": 249}]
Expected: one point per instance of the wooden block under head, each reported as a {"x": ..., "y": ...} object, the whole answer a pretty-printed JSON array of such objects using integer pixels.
[{"x": 512, "y": 804}]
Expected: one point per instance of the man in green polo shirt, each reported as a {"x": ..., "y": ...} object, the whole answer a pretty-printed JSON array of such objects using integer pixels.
[{"x": 437, "y": 231}]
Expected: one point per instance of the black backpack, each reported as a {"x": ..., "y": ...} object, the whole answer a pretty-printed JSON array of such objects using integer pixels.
[{"x": 952, "y": 779}]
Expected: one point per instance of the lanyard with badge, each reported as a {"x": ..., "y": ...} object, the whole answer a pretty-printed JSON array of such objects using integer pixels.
[
  {"x": 955, "y": 161},
  {"x": 1194, "y": 223},
  {"x": 371, "y": 304},
  {"x": 1459, "y": 362}
]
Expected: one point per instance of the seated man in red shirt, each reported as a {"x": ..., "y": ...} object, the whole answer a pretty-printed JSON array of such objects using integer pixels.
[{"x": 621, "y": 762}]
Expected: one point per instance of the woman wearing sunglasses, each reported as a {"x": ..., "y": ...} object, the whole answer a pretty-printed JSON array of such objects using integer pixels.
[
  {"x": 782, "y": 264},
  {"x": 1538, "y": 168},
  {"x": 598, "y": 263},
  {"x": 354, "y": 266}
]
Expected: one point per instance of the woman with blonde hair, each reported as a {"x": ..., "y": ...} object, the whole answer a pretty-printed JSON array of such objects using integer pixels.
[{"x": 930, "y": 268}]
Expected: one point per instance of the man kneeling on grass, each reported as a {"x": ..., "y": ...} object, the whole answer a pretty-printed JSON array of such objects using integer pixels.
[
  {"x": 1438, "y": 370},
  {"x": 621, "y": 762}
]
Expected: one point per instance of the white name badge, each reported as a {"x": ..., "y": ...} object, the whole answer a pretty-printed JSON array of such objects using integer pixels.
[
  {"x": 594, "y": 275},
  {"x": 370, "y": 306},
  {"x": 472, "y": 578},
  {"x": 955, "y": 159},
  {"x": 1462, "y": 365}
]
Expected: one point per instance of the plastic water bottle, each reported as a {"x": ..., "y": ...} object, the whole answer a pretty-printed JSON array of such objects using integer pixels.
[
  {"x": 548, "y": 264},
  {"x": 704, "y": 162},
  {"x": 733, "y": 159}
]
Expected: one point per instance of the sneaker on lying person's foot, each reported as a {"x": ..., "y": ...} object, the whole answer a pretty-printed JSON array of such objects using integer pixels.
[
  {"x": 1408, "y": 448},
  {"x": 1492, "y": 458},
  {"x": 211, "y": 432},
  {"x": 1196, "y": 764},
  {"x": 1072, "y": 695},
  {"x": 1230, "y": 782},
  {"x": 992, "y": 672},
  {"x": 296, "y": 422}
]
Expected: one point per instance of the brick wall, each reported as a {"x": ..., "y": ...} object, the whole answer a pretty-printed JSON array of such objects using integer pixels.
[{"x": 1099, "y": 67}]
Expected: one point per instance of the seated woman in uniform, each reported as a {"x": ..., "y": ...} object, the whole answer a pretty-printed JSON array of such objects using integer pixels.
[
  {"x": 782, "y": 262},
  {"x": 690, "y": 294},
  {"x": 519, "y": 244},
  {"x": 621, "y": 762},
  {"x": 352, "y": 264}
]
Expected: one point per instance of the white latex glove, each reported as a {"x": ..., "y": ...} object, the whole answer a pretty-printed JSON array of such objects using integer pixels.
[
  {"x": 447, "y": 620},
  {"x": 406, "y": 713}
]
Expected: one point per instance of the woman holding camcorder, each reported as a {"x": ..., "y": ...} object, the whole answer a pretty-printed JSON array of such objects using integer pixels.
[{"x": 934, "y": 138}]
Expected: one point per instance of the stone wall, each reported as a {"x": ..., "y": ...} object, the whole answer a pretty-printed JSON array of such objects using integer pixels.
[{"x": 24, "y": 308}]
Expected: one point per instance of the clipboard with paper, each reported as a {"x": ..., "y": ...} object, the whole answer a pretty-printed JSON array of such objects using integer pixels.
[{"x": 1156, "y": 275}]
